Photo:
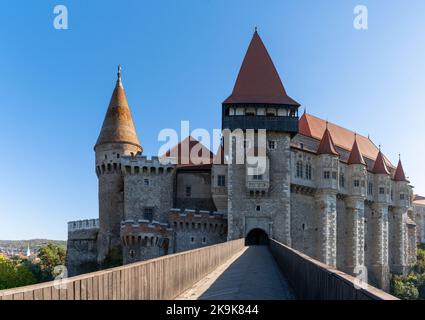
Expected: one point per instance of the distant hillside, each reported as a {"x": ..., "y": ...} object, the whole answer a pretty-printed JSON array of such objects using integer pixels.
[{"x": 20, "y": 246}]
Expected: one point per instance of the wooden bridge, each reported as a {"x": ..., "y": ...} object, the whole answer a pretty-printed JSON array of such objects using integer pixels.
[{"x": 227, "y": 271}]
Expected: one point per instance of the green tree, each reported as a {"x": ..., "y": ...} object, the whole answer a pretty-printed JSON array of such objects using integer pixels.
[
  {"x": 51, "y": 256},
  {"x": 14, "y": 274},
  {"x": 404, "y": 288}
]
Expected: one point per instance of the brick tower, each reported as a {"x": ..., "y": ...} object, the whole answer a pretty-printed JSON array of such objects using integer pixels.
[{"x": 117, "y": 138}]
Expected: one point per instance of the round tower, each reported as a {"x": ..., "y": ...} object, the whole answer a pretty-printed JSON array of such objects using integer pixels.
[{"x": 117, "y": 138}]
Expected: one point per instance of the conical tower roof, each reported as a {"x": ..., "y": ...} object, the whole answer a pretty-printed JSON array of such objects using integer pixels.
[
  {"x": 356, "y": 156},
  {"x": 118, "y": 126},
  {"x": 380, "y": 167},
  {"x": 258, "y": 80},
  {"x": 399, "y": 172},
  {"x": 327, "y": 145}
]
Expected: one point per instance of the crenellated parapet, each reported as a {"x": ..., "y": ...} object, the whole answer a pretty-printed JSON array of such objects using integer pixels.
[
  {"x": 87, "y": 224},
  {"x": 145, "y": 233},
  {"x": 192, "y": 220},
  {"x": 144, "y": 165}
]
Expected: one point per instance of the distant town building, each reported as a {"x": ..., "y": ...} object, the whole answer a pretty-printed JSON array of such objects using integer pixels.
[{"x": 419, "y": 210}]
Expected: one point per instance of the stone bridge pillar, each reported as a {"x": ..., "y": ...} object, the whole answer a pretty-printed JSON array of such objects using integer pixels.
[
  {"x": 354, "y": 254},
  {"x": 325, "y": 201},
  {"x": 378, "y": 268}
]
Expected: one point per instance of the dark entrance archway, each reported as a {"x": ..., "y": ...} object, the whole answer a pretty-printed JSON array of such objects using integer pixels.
[{"x": 257, "y": 237}]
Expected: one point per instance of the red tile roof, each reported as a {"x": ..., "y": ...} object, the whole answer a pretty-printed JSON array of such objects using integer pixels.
[
  {"x": 258, "y": 81},
  {"x": 380, "y": 167},
  {"x": 190, "y": 153},
  {"x": 327, "y": 145},
  {"x": 399, "y": 173},
  {"x": 356, "y": 156},
  {"x": 315, "y": 127}
]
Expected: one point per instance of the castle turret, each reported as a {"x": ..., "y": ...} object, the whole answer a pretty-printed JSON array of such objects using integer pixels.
[
  {"x": 398, "y": 222},
  {"x": 259, "y": 109},
  {"x": 355, "y": 211},
  {"x": 325, "y": 199},
  {"x": 117, "y": 138},
  {"x": 378, "y": 224}
]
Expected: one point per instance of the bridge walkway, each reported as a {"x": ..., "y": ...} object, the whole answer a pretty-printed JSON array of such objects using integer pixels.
[{"x": 251, "y": 274}]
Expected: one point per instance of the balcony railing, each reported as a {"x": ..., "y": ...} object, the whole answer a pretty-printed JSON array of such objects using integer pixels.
[{"x": 271, "y": 123}]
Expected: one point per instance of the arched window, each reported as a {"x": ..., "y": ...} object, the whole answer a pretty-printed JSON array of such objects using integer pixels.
[
  {"x": 299, "y": 169},
  {"x": 308, "y": 174}
]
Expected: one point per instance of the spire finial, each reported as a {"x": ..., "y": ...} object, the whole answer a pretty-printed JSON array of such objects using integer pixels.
[
  {"x": 399, "y": 156},
  {"x": 379, "y": 147},
  {"x": 355, "y": 136},
  {"x": 255, "y": 29},
  {"x": 327, "y": 124},
  {"x": 305, "y": 110},
  {"x": 119, "y": 72}
]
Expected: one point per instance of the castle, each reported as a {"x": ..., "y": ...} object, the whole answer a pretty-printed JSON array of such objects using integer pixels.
[{"x": 324, "y": 190}]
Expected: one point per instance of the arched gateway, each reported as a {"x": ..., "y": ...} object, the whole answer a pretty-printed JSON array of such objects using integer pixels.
[{"x": 257, "y": 237}]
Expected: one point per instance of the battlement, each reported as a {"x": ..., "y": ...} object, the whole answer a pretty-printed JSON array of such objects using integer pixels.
[
  {"x": 144, "y": 165},
  {"x": 193, "y": 220},
  {"x": 87, "y": 224},
  {"x": 145, "y": 233}
]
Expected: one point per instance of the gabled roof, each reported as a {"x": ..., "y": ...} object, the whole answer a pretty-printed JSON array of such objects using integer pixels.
[
  {"x": 399, "y": 173},
  {"x": 258, "y": 81},
  {"x": 118, "y": 126},
  {"x": 356, "y": 156},
  {"x": 327, "y": 145},
  {"x": 380, "y": 167},
  {"x": 201, "y": 155},
  {"x": 343, "y": 138}
]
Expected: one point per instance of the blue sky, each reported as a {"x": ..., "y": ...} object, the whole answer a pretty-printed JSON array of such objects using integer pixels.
[{"x": 180, "y": 60}]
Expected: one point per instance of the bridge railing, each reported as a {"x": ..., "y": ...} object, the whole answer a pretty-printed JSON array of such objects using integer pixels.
[
  {"x": 158, "y": 279},
  {"x": 313, "y": 280}
]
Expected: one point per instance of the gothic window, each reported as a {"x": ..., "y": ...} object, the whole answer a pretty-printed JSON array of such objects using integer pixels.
[
  {"x": 370, "y": 189},
  {"x": 118, "y": 155},
  {"x": 131, "y": 254},
  {"x": 299, "y": 169},
  {"x": 326, "y": 175},
  {"x": 381, "y": 190},
  {"x": 204, "y": 240},
  {"x": 308, "y": 171},
  {"x": 148, "y": 213},
  {"x": 258, "y": 208},
  {"x": 401, "y": 196},
  {"x": 192, "y": 240},
  {"x": 357, "y": 183},
  {"x": 221, "y": 181},
  {"x": 334, "y": 175},
  {"x": 272, "y": 145},
  {"x": 257, "y": 177},
  {"x": 363, "y": 183},
  {"x": 188, "y": 191},
  {"x": 342, "y": 180},
  {"x": 146, "y": 182}
]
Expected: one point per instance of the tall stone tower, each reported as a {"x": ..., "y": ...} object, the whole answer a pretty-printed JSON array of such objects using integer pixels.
[
  {"x": 117, "y": 138},
  {"x": 261, "y": 115}
]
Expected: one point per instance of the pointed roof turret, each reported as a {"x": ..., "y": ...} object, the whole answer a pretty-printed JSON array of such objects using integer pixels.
[
  {"x": 258, "y": 81},
  {"x": 399, "y": 172},
  {"x": 118, "y": 126},
  {"x": 327, "y": 145},
  {"x": 380, "y": 167},
  {"x": 356, "y": 156}
]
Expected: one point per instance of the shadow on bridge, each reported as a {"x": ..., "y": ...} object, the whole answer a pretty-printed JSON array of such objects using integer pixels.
[{"x": 254, "y": 275}]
